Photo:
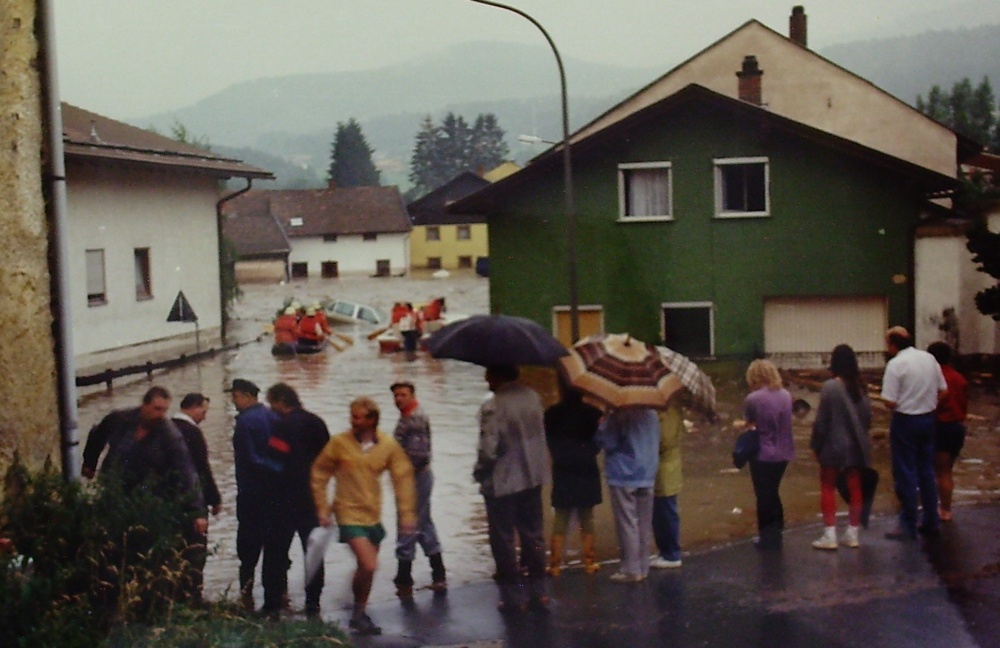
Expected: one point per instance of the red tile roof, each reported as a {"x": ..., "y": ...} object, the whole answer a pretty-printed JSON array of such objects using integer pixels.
[
  {"x": 342, "y": 210},
  {"x": 89, "y": 136}
]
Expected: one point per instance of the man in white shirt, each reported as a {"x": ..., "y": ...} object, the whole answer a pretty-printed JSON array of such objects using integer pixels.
[{"x": 911, "y": 387}]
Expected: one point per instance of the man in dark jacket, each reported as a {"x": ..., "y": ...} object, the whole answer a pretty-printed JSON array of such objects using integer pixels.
[
  {"x": 259, "y": 456},
  {"x": 147, "y": 451},
  {"x": 194, "y": 409},
  {"x": 306, "y": 435}
]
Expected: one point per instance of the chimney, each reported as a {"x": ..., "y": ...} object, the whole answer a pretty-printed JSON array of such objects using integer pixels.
[
  {"x": 749, "y": 81},
  {"x": 797, "y": 25},
  {"x": 331, "y": 183}
]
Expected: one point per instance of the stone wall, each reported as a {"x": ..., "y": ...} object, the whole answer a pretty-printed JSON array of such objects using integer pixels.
[{"x": 29, "y": 411}]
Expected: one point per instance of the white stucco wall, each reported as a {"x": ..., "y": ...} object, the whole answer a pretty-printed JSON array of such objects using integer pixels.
[
  {"x": 807, "y": 88},
  {"x": 352, "y": 254},
  {"x": 118, "y": 211},
  {"x": 947, "y": 278}
]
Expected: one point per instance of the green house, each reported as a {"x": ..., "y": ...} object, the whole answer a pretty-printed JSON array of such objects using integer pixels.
[{"x": 717, "y": 227}]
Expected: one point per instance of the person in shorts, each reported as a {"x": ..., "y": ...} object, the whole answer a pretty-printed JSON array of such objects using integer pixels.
[{"x": 356, "y": 459}]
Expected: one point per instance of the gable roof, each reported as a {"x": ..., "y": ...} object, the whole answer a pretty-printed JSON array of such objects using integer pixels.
[
  {"x": 323, "y": 212},
  {"x": 92, "y": 137},
  {"x": 802, "y": 85},
  {"x": 255, "y": 233},
  {"x": 486, "y": 199},
  {"x": 430, "y": 209}
]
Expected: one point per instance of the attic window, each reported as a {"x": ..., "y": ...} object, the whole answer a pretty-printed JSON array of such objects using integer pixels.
[{"x": 295, "y": 222}]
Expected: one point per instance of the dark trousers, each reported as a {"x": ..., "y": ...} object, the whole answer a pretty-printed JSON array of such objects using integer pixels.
[
  {"x": 911, "y": 438},
  {"x": 510, "y": 517},
  {"x": 302, "y": 524},
  {"x": 667, "y": 527},
  {"x": 766, "y": 477},
  {"x": 258, "y": 532},
  {"x": 196, "y": 554}
]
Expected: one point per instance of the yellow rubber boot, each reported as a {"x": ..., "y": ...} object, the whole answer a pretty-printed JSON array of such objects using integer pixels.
[
  {"x": 555, "y": 555},
  {"x": 590, "y": 564}
]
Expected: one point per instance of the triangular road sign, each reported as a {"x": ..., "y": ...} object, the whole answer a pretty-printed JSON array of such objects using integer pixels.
[{"x": 181, "y": 311}]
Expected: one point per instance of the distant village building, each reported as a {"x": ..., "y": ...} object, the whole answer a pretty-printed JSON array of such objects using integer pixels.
[
  {"x": 756, "y": 199},
  {"x": 330, "y": 232},
  {"x": 143, "y": 228},
  {"x": 444, "y": 240}
]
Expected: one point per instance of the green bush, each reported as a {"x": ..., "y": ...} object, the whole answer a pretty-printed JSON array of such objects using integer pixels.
[{"x": 95, "y": 566}]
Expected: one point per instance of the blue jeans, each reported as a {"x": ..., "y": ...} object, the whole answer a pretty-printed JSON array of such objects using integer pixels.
[
  {"x": 667, "y": 527},
  {"x": 426, "y": 535},
  {"x": 911, "y": 438}
]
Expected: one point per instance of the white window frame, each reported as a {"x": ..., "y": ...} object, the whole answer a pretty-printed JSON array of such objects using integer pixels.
[
  {"x": 96, "y": 274},
  {"x": 623, "y": 178},
  {"x": 718, "y": 163}
]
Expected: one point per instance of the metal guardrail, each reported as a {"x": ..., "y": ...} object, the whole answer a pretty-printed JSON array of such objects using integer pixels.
[{"x": 108, "y": 376}]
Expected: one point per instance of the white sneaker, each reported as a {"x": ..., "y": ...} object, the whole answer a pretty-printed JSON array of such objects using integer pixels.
[
  {"x": 622, "y": 577},
  {"x": 828, "y": 540},
  {"x": 850, "y": 538},
  {"x": 659, "y": 562}
]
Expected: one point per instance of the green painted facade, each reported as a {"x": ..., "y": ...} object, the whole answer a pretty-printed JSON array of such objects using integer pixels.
[{"x": 840, "y": 224}]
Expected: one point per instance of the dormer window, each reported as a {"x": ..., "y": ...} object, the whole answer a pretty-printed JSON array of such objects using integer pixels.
[{"x": 295, "y": 222}]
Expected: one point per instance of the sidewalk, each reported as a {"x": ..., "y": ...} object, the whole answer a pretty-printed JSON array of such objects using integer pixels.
[{"x": 943, "y": 592}]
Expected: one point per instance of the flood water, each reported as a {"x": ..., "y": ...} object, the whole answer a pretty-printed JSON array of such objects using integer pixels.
[{"x": 717, "y": 502}]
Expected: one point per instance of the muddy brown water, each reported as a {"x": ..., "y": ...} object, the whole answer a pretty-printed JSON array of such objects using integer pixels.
[{"x": 717, "y": 503}]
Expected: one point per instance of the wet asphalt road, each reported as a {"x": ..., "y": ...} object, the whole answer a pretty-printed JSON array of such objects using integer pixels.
[{"x": 943, "y": 593}]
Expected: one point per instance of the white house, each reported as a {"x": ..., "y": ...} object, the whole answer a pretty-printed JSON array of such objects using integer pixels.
[
  {"x": 334, "y": 231},
  {"x": 142, "y": 229}
]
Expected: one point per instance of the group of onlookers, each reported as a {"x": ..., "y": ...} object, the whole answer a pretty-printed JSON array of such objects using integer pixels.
[
  {"x": 285, "y": 459},
  {"x": 928, "y": 399}
]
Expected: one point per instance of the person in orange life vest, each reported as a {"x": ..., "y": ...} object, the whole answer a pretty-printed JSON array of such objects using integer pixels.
[
  {"x": 310, "y": 332},
  {"x": 324, "y": 324},
  {"x": 432, "y": 311},
  {"x": 286, "y": 327},
  {"x": 398, "y": 311}
]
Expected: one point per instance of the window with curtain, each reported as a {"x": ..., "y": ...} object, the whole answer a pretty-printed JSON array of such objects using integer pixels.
[
  {"x": 645, "y": 191},
  {"x": 433, "y": 233},
  {"x": 96, "y": 287},
  {"x": 463, "y": 233}
]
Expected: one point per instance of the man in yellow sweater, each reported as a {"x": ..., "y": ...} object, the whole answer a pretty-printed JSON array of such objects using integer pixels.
[{"x": 356, "y": 459}]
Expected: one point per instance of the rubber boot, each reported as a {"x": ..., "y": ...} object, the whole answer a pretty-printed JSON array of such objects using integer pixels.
[
  {"x": 404, "y": 579},
  {"x": 555, "y": 555},
  {"x": 590, "y": 564},
  {"x": 439, "y": 582},
  {"x": 828, "y": 540},
  {"x": 246, "y": 597},
  {"x": 850, "y": 538}
]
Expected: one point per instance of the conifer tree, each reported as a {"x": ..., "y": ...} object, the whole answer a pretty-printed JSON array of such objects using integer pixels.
[
  {"x": 442, "y": 152},
  {"x": 351, "y": 162}
]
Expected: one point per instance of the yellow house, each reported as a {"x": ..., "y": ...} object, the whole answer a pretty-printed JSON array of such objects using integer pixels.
[
  {"x": 442, "y": 240},
  {"x": 451, "y": 241}
]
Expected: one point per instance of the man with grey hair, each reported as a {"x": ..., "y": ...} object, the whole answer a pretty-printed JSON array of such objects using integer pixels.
[{"x": 511, "y": 467}]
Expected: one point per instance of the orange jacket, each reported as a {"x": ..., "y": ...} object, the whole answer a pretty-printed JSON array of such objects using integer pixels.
[
  {"x": 286, "y": 329},
  {"x": 309, "y": 329}
]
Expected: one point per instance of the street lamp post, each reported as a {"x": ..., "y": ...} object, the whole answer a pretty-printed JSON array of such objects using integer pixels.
[{"x": 574, "y": 301}]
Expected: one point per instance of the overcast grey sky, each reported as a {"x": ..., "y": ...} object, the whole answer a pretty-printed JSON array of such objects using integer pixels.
[{"x": 131, "y": 58}]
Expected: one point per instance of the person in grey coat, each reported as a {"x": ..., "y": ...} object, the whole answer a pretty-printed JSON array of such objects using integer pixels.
[
  {"x": 842, "y": 442},
  {"x": 511, "y": 467}
]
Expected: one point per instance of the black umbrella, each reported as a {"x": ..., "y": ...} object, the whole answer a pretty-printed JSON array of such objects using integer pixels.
[{"x": 495, "y": 340}]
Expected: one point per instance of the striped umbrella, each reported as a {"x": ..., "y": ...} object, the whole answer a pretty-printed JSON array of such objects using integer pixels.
[{"x": 619, "y": 371}]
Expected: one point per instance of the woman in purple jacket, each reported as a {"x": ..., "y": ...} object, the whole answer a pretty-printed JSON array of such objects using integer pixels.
[{"x": 768, "y": 407}]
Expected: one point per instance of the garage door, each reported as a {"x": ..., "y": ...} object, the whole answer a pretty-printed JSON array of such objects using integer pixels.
[{"x": 801, "y": 332}]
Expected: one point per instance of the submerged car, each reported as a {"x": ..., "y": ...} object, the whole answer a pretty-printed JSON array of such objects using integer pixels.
[{"x": 348, "y": 312}]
